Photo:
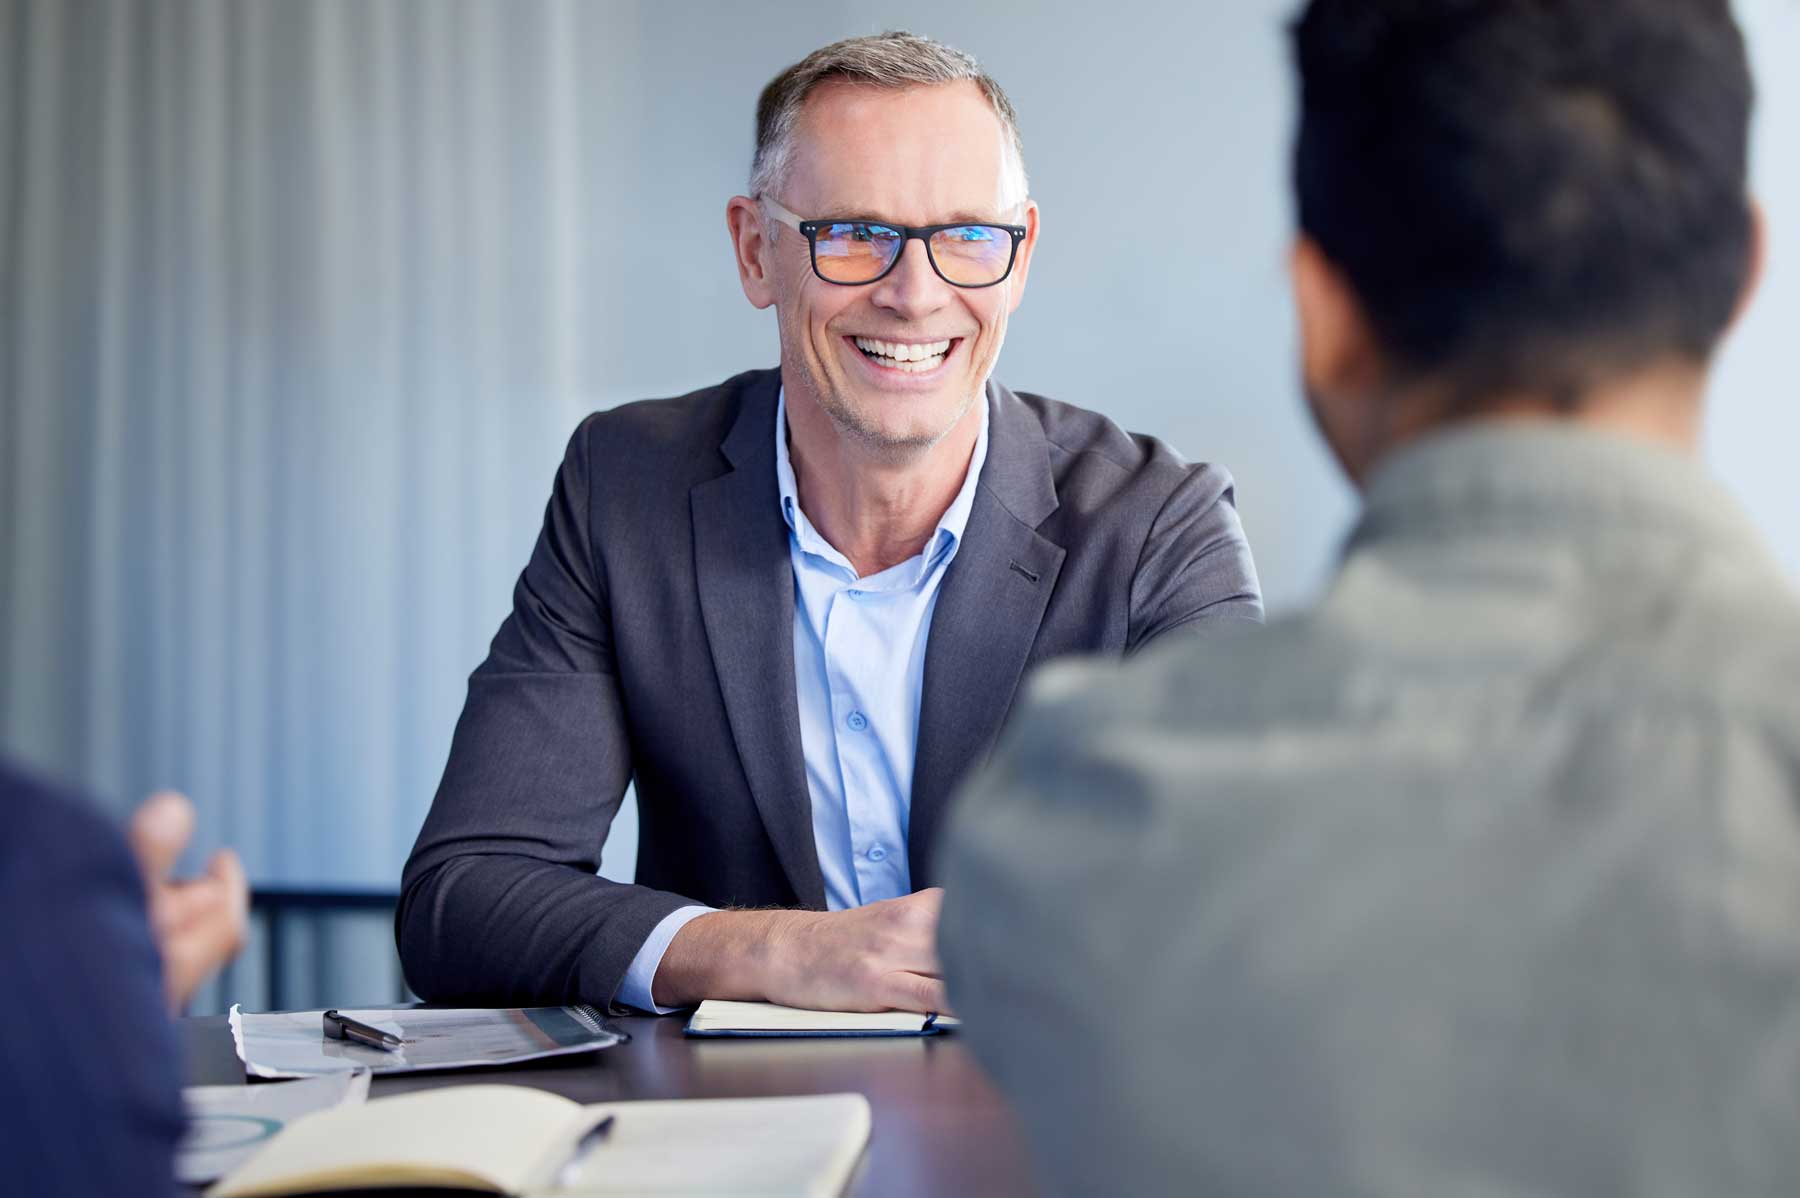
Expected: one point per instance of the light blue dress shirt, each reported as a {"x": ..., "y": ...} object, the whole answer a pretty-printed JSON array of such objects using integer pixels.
[{"x": 859, "y": 672}]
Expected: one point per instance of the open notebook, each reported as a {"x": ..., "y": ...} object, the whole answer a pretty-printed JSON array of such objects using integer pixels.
[
  {"x": 718, "y": 1018},
  {"x": 516, "y": 1140}
]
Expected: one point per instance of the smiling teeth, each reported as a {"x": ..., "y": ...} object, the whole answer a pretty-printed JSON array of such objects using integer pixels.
[{"x": 913, "y": 357}]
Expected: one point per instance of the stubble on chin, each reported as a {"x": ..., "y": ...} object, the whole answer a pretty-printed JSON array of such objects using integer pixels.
[
  {"x": 889, "y": 446},
  {"x": 857, "y": 424}
]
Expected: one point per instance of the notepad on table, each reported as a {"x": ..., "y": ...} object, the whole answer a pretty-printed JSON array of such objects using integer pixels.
[
  {"x": 716, "y": 1017},
  {"x": 516, "y": 1140}
]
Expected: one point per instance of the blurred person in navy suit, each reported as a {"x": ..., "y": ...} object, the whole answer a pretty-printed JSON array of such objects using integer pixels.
[{"x": 100, "y": 945}]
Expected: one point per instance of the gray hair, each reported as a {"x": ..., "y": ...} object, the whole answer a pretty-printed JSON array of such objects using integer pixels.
[{"x": 895, "y": 59}]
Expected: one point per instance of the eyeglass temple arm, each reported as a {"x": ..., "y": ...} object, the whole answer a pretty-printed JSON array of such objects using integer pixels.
[{"x": 781, "y": 214}]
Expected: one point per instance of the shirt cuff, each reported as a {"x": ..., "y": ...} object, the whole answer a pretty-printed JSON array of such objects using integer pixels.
[{"x": 640, "y": 978}]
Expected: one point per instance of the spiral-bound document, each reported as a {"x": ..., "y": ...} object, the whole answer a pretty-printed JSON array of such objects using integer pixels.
[{"x": 293, "y": 1043}]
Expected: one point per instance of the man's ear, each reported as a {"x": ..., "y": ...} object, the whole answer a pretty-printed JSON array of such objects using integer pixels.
[
  {"x": 751, "y": 246},
  {"x": 1340, "y": 360},
  {"x": 1759, "y": 257},
  {"x": 1338, "y": 350},
  {"x": 1022, "y": 266}
]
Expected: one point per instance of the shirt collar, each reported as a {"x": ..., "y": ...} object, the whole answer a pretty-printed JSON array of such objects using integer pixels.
[
  {"x": 1552, "y": 480},
  {"x": 944, "y": 541}
]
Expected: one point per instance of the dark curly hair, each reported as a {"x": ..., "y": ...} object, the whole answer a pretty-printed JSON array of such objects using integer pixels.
[{"x": 1529, "y": 194}]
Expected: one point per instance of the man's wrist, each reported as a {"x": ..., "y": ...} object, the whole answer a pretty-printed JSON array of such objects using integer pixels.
[
  {"x": 635, "y": 989},
  {"x": 724, "y": 954},
  {"x": 772, "y": 951}
]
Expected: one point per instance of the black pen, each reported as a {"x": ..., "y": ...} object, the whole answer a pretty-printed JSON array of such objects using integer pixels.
[
  {"x": 571, "y": 1170},
  {"x": 342, "y": 1027}
]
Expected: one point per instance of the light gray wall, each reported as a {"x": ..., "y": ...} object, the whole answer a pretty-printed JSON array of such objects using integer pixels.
[
  {"x": 301, "y": 302},
  {"x": 1754, "y": 425}
]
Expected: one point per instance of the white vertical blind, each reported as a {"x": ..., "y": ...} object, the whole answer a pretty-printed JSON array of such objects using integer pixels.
[{"x": 298, "y": 300}]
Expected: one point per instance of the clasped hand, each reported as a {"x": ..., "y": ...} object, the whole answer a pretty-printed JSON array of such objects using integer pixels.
[{"x": 879, "y": 957}]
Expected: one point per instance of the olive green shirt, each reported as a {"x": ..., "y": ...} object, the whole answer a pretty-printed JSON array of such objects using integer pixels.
[{"x": 1480, "y": 878}]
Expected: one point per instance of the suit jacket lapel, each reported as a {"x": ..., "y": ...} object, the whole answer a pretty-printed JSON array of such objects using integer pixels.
[
  {"x": 986, "y": 619},
  {"x": 746, "y": 585}
]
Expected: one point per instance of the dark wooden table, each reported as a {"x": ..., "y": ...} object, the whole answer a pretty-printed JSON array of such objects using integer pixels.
[{"x": 940, "y": 1127}]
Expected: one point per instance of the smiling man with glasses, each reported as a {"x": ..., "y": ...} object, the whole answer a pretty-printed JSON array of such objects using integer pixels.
[{"x": 795, "y": 608}]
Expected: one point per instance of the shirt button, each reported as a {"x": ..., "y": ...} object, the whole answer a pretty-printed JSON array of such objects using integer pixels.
[
  {"x": 857, "y": 721},
  {"x": 854, "y": 594},
  {"x": 878, "y": 854}
]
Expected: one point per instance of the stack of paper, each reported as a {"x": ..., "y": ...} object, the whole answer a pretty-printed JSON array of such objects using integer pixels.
[{"x": 227, "y": 1125}]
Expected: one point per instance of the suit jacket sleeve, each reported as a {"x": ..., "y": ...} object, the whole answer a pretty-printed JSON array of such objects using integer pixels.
[
  {"x": 88, "y": 1050},
  {"x": 1195, "y": 565},
  {"x": 500, "y": 903}
]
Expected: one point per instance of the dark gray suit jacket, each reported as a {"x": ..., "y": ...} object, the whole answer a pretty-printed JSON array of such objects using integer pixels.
[{"x": 651, "y": 639}]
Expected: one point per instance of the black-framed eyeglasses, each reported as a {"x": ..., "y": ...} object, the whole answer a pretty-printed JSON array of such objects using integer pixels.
[{"x": 851, "y": 253}]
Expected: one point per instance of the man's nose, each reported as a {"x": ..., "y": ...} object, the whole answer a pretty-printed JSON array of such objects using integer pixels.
[{"x": 912, "y": 289}]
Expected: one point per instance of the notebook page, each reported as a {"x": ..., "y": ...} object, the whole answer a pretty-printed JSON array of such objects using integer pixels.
[
  {"x": 497, "y": 1136},
  {"x": 808, "y": 1145}
]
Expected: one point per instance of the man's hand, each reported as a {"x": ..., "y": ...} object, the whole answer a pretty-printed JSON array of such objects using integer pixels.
[
  {"x": 198, "y": 925},
  {"x": 874, "y": 958}
]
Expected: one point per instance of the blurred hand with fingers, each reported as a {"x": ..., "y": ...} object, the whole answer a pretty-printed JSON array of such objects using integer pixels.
[{"x": 199, "y": 924}]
